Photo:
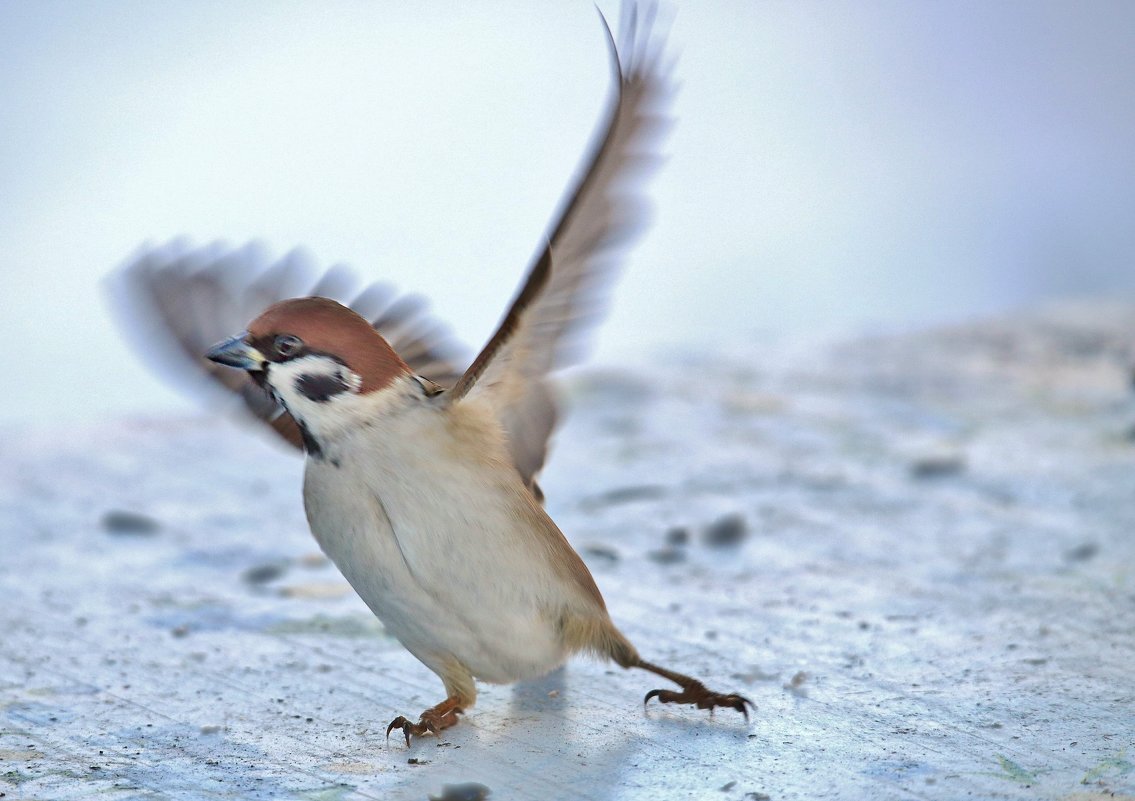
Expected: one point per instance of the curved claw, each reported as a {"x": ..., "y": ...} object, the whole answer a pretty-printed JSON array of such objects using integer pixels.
[
  {"x": 405, "y": 725},
  {"x": 740, "y": 702}
]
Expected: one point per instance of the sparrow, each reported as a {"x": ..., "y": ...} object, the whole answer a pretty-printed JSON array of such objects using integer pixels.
[{"x": 420, "y": 478}]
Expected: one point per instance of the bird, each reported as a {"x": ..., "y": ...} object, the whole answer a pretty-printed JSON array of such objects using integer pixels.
[{"x": 420, "y": 478}]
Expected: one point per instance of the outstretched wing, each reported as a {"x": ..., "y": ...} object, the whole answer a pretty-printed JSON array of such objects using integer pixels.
[
  {"x": 604, "y": 210},
  {"x": 176, "y": 302}
]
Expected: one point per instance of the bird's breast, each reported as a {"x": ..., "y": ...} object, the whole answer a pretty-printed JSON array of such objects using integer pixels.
[{"x": 432, "y": 525}]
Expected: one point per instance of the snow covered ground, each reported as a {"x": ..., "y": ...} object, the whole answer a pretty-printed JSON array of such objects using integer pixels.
[{"x": 914, "y": 554}]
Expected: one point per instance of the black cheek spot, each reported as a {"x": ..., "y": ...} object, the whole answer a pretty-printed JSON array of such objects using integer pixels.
[{"x": 321, "y": 388}]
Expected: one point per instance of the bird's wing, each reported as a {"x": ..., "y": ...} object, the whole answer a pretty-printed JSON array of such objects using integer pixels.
[
  {"x": 175, "y": 302},
  {"x": 601, "y": 214}
]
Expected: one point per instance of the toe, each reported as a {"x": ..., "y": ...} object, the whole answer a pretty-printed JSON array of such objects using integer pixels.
[
  {"x": 394, "y": 724},
  {"x": 400, "y": 722},
  {"x": 666, "y": 697},
  {"x": 738, "y": 702}
]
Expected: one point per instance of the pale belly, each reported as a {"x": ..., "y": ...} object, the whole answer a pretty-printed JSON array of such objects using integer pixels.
[{"x": 446, "y": 584}]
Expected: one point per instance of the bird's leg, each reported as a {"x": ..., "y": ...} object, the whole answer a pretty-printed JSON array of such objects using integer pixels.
[
  {"x": 432, "y": 721},
  {"x": 693, "y": 692},
  {"x": 599, "y": 635}
]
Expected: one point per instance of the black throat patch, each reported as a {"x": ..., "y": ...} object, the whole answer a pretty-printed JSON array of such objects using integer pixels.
[
  {"x": 321, "y": 388},
  {"x": 310, "y": 443}
]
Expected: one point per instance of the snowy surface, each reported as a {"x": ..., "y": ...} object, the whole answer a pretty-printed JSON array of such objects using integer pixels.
[{"x": 914, "y": 554}]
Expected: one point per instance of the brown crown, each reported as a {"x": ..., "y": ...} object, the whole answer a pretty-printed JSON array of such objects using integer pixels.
[{"x": 330, "y": 328}]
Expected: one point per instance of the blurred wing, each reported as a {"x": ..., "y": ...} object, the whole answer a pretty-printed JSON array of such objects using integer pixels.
[
  {"x": 601, "y": 215},
  {"x": 175, "y": 303}
]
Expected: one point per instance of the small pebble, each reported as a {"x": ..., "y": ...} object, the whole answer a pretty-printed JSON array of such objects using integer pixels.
[
  {"x": 679, "y": 535},
  {"x": 132, "y": 524},
  {"x": 937, "y": 466},
  {"x": 1082, "y": 553},
  {"x": 795, "y": 685},
  {"x": 467, "y": 791},
  {"x": 604, "y": 552},
  {"x": 728, "y": 530},
  {"x": 262, "y": 574},
  {"x": 211, "y": 729},
  {"x": 666, "y": 556},
  {"x": 725, "y": 788}
]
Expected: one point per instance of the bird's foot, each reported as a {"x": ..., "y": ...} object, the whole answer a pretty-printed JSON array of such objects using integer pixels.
[
  {"x": 694, "y": 692},
  {"x": 702, "y": 697},
  {"x": 432, "y": 721}
]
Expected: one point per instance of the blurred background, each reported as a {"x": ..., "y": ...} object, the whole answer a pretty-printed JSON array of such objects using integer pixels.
[{"x": 836, "y": 167}]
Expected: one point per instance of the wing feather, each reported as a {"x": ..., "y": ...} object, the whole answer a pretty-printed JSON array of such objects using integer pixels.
[
  {"x": 175, "y": 302},
  {"x": 603, "y": 211}
]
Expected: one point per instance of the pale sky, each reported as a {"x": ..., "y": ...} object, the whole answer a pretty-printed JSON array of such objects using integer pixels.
[{"x": 835, "y": 166}]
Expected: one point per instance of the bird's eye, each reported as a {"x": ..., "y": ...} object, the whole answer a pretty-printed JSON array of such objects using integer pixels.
[{"x": 287, "y": 345}]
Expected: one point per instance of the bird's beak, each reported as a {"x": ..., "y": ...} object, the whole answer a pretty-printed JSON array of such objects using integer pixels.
[{"x": 236, "y": 352}]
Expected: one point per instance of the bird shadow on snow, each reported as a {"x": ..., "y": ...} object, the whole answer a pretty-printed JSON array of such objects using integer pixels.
[
  {"x": 564, "y": 731},
  {"x": 538, "y": 738}
]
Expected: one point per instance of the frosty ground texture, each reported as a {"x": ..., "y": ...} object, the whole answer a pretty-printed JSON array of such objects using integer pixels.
[{"x": 915, "y": 554}]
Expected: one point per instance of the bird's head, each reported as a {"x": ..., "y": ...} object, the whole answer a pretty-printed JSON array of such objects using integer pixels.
[{"x": 315, "y": 356}]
